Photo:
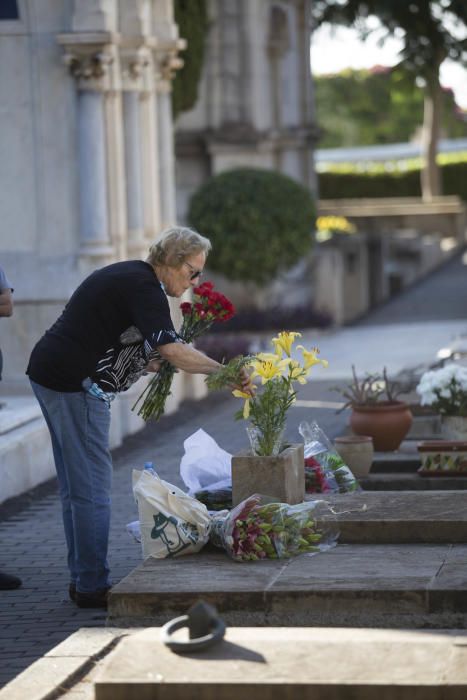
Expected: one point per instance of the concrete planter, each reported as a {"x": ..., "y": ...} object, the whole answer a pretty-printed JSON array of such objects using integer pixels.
[
  {"x": 454, "y": 427},
  {"x": 281, "y": 477},
  {"x": 357, "y": 451}
]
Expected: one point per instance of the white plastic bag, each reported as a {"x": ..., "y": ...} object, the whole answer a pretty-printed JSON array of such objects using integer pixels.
[
  {"x": 325, "y": 470},
  {"x": 205, "y": 465},
  {"x": 134, "y": 530},
  {"x": 171, "y": 522}
]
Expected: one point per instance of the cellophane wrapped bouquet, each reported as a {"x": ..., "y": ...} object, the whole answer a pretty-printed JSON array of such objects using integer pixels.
[
  {"x": 325, "y": 470},
  {"x": 259, "y": 529},
  {"x": 208, "y": 307}
]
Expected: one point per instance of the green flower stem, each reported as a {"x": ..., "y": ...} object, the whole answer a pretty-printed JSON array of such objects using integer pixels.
[
  {"x": 268, "y": 412},
  {"x": 156, "y": 393}
]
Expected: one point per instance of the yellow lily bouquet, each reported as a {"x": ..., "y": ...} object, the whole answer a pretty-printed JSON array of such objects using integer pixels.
[{"x": 278, "y": 372}]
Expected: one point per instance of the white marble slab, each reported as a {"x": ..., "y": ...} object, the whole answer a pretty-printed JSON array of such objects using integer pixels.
[{"x": 17, "y": 411}]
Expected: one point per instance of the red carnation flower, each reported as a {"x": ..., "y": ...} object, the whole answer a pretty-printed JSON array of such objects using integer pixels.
[{"x": 185, "y": 308}]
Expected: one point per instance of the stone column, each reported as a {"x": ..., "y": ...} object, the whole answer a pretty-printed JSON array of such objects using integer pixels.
[
  {"x": 150, "y": 169},
  {"x": 142, "y": 179},
  {"x": 91, "y": 58},
  {"x": 167, "y": 62},
  {"x": 94, "y": 225},
  {"x": 95, "y": 26},
  {"x": 135, "y": 60},
  {"x": 309, "y": 127},
  {"x": 134, "y": 198}
]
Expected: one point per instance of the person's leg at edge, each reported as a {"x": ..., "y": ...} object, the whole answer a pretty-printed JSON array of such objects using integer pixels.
[
  {"x": 7, "y": 581},
  {"x": 81, "y": 424},
  {"x": 62, "y": 478}
]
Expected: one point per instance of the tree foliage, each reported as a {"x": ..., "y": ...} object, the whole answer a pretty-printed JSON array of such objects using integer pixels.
[
  {"x": 192, "y": 20},
  {"x": 259, "y": 221},
  {"x": 367, "y": 107},
  {"x": 431, "y": 31}
]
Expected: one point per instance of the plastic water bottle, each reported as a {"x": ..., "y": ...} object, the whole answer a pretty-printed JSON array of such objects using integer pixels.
[{"x": 149, "y": 467}]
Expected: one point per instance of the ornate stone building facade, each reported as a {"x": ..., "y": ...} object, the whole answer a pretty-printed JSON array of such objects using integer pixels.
[
  {"x": 87, "y": 167},
  {"x": 255, "y": 103}
]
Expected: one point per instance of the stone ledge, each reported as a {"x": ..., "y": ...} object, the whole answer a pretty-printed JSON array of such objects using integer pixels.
[
  {"x": 351, "y": 585},
  {"x": 25, "y": 458},
  {"x": 397, "y": 206},
  {"x": 287, "y": 663},
  {"x": 392, "y": 517},
  {"x": 62, "y": 666},
  {"x": 385, "y": 481},
  {"x": 17, "y": 411}
]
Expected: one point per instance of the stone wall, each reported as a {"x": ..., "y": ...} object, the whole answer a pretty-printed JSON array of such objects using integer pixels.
[
  {"x": 87, "y": 167},
  {"x": 255, "y": 104}
]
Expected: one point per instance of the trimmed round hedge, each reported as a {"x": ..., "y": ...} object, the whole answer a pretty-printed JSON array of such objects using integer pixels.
[{"x": 260, "y": 222}]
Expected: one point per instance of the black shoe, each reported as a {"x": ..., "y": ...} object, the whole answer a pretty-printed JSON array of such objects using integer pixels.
[
  {"x": 9, "y": 583},
  {"x": 72, "y": 592},
  {"x": 97, "y": 599}
]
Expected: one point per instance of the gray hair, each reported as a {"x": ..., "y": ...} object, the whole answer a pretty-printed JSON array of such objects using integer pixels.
[{"x": 177, "y": 243}]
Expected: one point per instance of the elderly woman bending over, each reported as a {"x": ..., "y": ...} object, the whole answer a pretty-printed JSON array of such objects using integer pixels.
[{"x": 116, "y": 321}]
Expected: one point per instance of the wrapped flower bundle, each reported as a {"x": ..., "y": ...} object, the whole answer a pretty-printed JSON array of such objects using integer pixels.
[
  {"x": 325, "y": 470},
  {"x": 316, "y": 480},
  {"x": 257, "y": 529},
  {"x": 208, "y": 307}
]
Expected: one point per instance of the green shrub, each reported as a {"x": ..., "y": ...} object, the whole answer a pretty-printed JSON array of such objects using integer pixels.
[
  {"x": 192, "y": 19},
  {"x": 260, "y": 222},
  {"x": 343, "y": 185}
]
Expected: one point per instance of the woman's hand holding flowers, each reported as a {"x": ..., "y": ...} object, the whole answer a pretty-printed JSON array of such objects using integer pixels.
[{"x": 208, "y": 307}]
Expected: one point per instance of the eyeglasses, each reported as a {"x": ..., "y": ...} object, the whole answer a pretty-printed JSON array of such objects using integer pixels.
[{"x": 194, "y": 273}]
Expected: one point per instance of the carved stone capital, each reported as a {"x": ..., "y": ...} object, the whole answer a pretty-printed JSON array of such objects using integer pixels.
[
  {"x": 136, "y": 68},
  {"x": 92, "y": 59},
  {"x": 168, "y": 62}
]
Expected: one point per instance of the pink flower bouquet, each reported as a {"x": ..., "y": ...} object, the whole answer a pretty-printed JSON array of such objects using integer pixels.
[{"x": 258, "y": 529}]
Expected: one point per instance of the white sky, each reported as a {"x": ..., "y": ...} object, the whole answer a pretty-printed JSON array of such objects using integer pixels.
[{"x": 333, "y": 51}]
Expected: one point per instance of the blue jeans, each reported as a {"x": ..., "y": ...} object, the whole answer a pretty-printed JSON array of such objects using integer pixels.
[{"x": 79, "y": 427}]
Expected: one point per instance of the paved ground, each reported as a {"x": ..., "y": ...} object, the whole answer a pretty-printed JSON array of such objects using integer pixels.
[{"x": 38, "y": 615}]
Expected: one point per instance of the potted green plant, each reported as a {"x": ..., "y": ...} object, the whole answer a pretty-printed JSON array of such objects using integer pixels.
[
  {"x": 270, "y": 467},
  {"x": 376, "y": 409}
]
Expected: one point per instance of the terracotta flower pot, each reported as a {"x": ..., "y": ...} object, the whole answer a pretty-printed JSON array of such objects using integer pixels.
[{"x": 387, "y": 423}]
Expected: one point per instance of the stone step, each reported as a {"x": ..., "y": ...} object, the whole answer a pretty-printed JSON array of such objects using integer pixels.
[
  {"x": 372, "y": 517},
  {"x": 395, "y": 463},
  {"x": 398, "y": 586},
  {"x": 290, "y": 664},
  {"x": 399, "y": 481}
]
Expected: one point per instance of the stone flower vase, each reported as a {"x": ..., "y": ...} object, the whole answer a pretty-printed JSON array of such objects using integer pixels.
[
  {"x": 281, "y": 477},
  {"x": 357, "y": 451},
  {"x": 387, "y": 423},
  {"x": 454, "y": 427}
]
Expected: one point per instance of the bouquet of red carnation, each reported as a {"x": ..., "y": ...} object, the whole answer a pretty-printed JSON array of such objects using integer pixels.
[
  {"x": 208, "y": 307},
  {"x": 316, "y": 481},
  {"x": 258, "y": 529}
]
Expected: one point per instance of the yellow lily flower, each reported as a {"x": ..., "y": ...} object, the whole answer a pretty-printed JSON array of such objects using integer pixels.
[
  {"x": 266, "y": 357},
  {"x": 246, "y": 406},
  {"x": 310, "y": 357},
  {"x": 296, "y": 372},
  {"x": 284, "y": 342},
  {"x": 267, "y": 368}
]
